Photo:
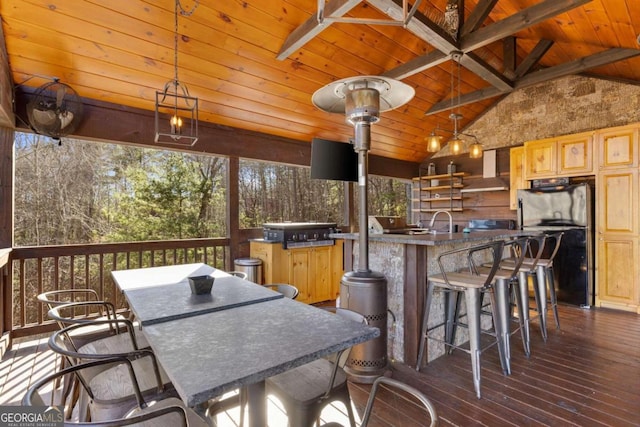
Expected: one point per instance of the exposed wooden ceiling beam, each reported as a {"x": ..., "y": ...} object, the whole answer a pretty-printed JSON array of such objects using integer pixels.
[
  {"x": 478, "y": 16},
  {"x": 524, "y": 19},
  {"x": 311, "y": 28},
  {"x": 478, "y": 66},
  {"x": 432, "y": 34},
  {"x": 509, "y": 52},
  {"x": 574, "y": 67},
  {"x": 416, "y": 65},
  {"x": 533, "y": 58},
  {"x": 468, "y": 98}
]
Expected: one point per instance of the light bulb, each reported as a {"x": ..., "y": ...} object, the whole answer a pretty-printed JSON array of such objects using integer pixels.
[
  {"x": 433, "y": 142},
  {"x": 475, "y": 151},
  {"x": 456, "y": 146},
  {"x": 176, "y": 124}
]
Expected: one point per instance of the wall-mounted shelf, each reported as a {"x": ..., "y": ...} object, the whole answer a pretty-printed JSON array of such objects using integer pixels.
[{"x": 438, "y": 192}]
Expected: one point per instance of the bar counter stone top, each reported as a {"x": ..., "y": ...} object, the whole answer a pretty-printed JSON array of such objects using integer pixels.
[
  {"x": 428, "y": 239},
  {"x": 406, "y": 261}
]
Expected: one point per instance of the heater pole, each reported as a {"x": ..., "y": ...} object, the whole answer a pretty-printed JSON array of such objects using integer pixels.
[{"x": 362, "y": 145}]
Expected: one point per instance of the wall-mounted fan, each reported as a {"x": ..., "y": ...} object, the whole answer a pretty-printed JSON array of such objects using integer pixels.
[{"x": 55, "y": 111}]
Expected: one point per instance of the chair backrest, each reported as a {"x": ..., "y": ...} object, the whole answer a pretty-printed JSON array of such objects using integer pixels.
[
  {"x": 518, "y": 251},
  {"x": 64, "y": 296},
  {"x": 535, "y": 248},
  {"x": 68, "y": 340},
  {"x": 240, "y": 274},
  {"x": 476, "y": 256},
  {"x": 554, "y": 239},
  {"x": 288, "y": 291},
  {"x": 404, "y": 387},
  {"x": 35, "y": 395}
]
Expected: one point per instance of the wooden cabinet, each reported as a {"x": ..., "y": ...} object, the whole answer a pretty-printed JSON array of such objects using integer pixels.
[
  {"x": 618, "y": 270},
  {"x": 618, "y": 148},
  {"x": 566, "y": 156},
  {"x": 617, "y": 202},
  {"x": 540, "y": 159},
  {"x": 617, "y": 220},
  {"x": 575, "y": 155},
  {"x": 316, "y": 271},
  {"x": 516, "y": 175}
]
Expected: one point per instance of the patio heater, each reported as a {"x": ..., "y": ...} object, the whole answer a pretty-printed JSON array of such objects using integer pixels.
[{"x": 361, "y": 99}]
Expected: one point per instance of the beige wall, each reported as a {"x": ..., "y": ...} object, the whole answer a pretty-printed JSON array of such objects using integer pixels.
[{"x": 565, "y": 106}]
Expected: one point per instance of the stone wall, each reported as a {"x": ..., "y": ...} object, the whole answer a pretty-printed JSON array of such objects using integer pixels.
[{"x": 561, "y": 107}]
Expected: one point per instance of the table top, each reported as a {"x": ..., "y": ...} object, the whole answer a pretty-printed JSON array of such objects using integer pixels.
[
  {"x": 166, "y": 275},
  {"x": 161, "y": 294},
  {"x": 213, "y": 353}
]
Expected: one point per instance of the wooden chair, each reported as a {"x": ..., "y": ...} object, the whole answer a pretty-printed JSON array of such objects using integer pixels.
[
  {"x": 304, "y": 391},
  {"x": 168, "y": 412}
]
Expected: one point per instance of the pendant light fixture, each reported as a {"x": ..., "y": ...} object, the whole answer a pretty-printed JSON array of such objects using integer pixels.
[
  {"x": 456, "y": 144},
  {"x": 176, "y": 112},
  {"x": 434, "y": 142}
]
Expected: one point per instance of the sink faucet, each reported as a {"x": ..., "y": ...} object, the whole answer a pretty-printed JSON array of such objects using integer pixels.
[{"x": 433, "y": 220}]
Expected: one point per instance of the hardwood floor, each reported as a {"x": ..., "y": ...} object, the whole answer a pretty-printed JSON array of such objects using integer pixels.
[{"x": 586, "y": 374}]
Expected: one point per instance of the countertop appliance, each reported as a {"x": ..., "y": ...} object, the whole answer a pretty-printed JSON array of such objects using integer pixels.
[
  {"x": 393, "y": 225},
  {"x": 299, "y": 234},
  {"x": 553, "y": 206}
]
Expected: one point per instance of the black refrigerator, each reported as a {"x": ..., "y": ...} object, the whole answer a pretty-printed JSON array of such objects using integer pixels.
[{"x": 568, "y": 207}]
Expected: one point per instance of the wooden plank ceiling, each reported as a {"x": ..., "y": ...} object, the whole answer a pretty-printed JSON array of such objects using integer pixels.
[{"x": 121, "y": 51}]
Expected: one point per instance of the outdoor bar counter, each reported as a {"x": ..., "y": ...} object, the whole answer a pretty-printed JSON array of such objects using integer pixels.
[{"x": 406, "y": 261}]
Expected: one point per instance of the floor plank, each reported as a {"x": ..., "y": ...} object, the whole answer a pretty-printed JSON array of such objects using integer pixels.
[{"x": 586, "y": 374}]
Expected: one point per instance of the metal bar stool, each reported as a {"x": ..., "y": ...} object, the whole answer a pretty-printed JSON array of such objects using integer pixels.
[
  {"x": 540, "y": 269},
  {"x": 506, "y": 285},
  {"x": 472, "y": 285},
  {"x": 546, "y": 279}
]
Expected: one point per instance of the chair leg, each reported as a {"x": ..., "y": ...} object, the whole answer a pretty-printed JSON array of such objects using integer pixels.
[
  {"x": 515, "y": 289},
  {"x": 541, "y": 284},
  {"x": 551, "y": 286},
  {"x": 500, "y": 310},
  {"x": 452, "y": 311},
  {"x": 523, "y": 291},
  {"x": 472, "y": 297},
  {"x": 428, "y": 298}
]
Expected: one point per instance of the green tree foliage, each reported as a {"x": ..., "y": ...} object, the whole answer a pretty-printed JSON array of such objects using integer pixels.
[
  {"x": 89, "y": 192},
  {"x": 168, "y": 195}
]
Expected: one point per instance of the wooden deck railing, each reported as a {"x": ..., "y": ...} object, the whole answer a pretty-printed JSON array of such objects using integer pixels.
[{"x": 39, "y": 269}]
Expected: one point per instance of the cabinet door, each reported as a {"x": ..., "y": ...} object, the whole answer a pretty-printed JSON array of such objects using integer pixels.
[
  {"x": 540, "y": 159},
  {"x": 321, "y": 274},
  {"x": 575, "y": 155},
  {"x": 617, "y": 208},
  {"x": 618, "y": 273},
  {"x": 516, "y": 175},
  {"x": 299, "y": 263},
  {"x": 618, "y": 148}
]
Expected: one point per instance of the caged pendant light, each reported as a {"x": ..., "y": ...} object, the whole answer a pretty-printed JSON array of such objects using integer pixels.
[{"x": 176, "y": 112}]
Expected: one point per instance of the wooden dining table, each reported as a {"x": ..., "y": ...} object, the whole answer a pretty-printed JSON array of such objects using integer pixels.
[{"x": 207, "y": 353}]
